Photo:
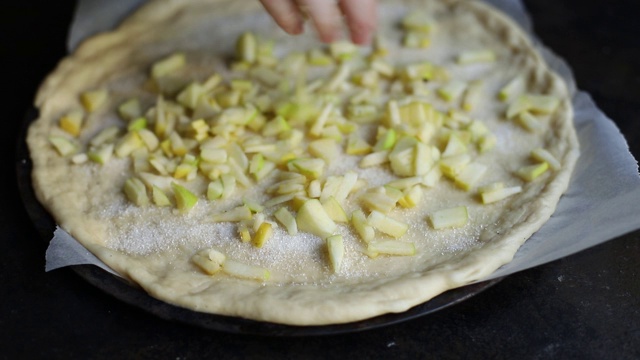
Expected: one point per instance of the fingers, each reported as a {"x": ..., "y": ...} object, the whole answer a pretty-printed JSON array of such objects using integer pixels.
[
  {"x": 361, "y": 18},
  {"x": 327, "y": 16},
  {"x": 286, "y": 14}
]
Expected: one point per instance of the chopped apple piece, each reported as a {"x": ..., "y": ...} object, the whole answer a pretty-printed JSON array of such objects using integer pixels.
[
  {"x": 310, "y": 167},
  {"x": 416, "y": 40},
  {"x": 343, "y": 50},
  {"x": 287, "y": 219},
  {"x": 72, "y": 122},
  {"x": 477, "y": 56},
  {"x": 263, "y": 234},
  {"x": 130, "y": 109},
  {"x": 326, "y": 149},
  {"x": 518, "y": 106},
  {"x": 487, "y": 142},
  {"x": 412, "y": 197},
  {"x": 334, "y": 210},
  {"x": 452, "y": 90},
  {"x": 543, "y": 155},
  {"x": 185, "y": 199},
  {"x": 449, "y": 218},
  {"x": 92, "y": 100},
  {"x": 168, "y": 65},
  {"x": 386, "y": 224},
  {"x": 159, "y": 197},
  {"x": 106, "y": 135},
  {"x": 455, "y": 146},
  {"x": 137, "y": 124},
  {"x": 335, "y": 248},
  {"x": 529, "y": 121},
  {"x": 532, "y": 172},
  {"x": 491, "y": 187},
  {"x": 362, "y": 227},
  {"x": 392, "y": 247},
  {"x": 190, "y": 96},
  {"x": 402, "y": 157},
  {"x": 127, "y": 144},
  {"x": 543, "y": 104},
  {"x": 228, "y": 185},
  {"x": 247, "y": 48},
  {"x": 236, "y": 214},
  {"x": 418, "y": 21},
  {"x": 405, "y": 183},
  {"x": 453, "y": 165},
  {"x": 491, "y": 196},
  {"x": 382, "y": 199},
  {"x": 432, "y": 177},
  {"x": 136, "y": 191},
  {"x": 242, "y": 270},
  {"x": 472, "y": 96},
  {"x": 470, "y": 175},
  {"x": 209, "y": 260},
  {"x": 314, "y": 219},
  {"x": 101, "y": 154},
  {"x": 63, "y": 146},
  {"x": 514, "y": 88},
  {"x": 374, "y": 159}
]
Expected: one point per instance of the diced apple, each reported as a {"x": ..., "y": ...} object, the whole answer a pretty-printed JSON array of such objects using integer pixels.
[
  {"x": 326, "y": 149},
  {"x": 470, "y": 175},
  {"x": 136, "y": 191},
  {"x": 247, "y": 48},
  {"x": 314, "y": 219},
  {"x": 495, "y": 195},
  {"x": 209, "y": 260},
  {"x": 382, "y": 199},
  {"x": 453, "y": 165},
  {"x": 242, "y": 270},
  {"x": 168, "y": 65},
  {"x": 105, "y": 135},
  {"x": 287, "y": 220},
  {"x": 94, "y": 99},
  {"x": 310, "y": 167},
  {"x": 512, "y": 89},
  {"x": 335, "y": 248},
  {"x": 130, "y": 109},
  {"x": 264, "y": 232},
  {"x": 72, "y": 122},
  {"x": 532, "y": 172},
  {"x": 185, "y": 199},
  {"x": 386, "y": 224},
  {"x": 392, "y": 247},
  {"x": 412, "y": 197},
  {"x": 529, "y": 121},
  {"x": 374, "y": 159},
  {"x": 449, "y": 218},
  {"x": 127, "y": 144},
  {"x": 101, "y": 154},
  {"x": 362, "y": 227},
  {"x": 452, "y": 90},
  {"x": 476, "y": 56},
  {"x": 543, "y": 155},
  {"x": 159, "y": 197},
  {"x": 334, "y": 210},
  {"x": 63, "y": 146}
]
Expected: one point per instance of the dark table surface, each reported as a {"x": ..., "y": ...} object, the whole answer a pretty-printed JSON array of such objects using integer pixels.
[{"x": 585, "y": 306}]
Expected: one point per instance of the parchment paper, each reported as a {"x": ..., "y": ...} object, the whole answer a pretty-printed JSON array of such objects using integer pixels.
[{"x": 602, "y": 202}]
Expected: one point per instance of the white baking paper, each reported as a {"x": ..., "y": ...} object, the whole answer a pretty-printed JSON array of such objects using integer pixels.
[{"x": 602, "y": 202}]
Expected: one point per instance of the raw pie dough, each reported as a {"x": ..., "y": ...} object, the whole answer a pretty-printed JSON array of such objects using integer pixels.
[{"x": 152, "y": 246}]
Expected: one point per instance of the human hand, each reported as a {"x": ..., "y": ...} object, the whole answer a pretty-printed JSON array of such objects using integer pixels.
[{"x": 328, "y": 17}]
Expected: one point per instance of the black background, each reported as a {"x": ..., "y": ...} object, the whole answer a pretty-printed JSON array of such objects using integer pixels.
[{"x": 585, "y": 306}]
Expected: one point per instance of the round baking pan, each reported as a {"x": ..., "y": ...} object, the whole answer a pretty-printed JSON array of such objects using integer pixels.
[{"x": 130, "y": 294}]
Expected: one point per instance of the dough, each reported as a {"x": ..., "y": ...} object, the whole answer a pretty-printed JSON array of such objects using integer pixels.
[{"x": 153, "y": 246}]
